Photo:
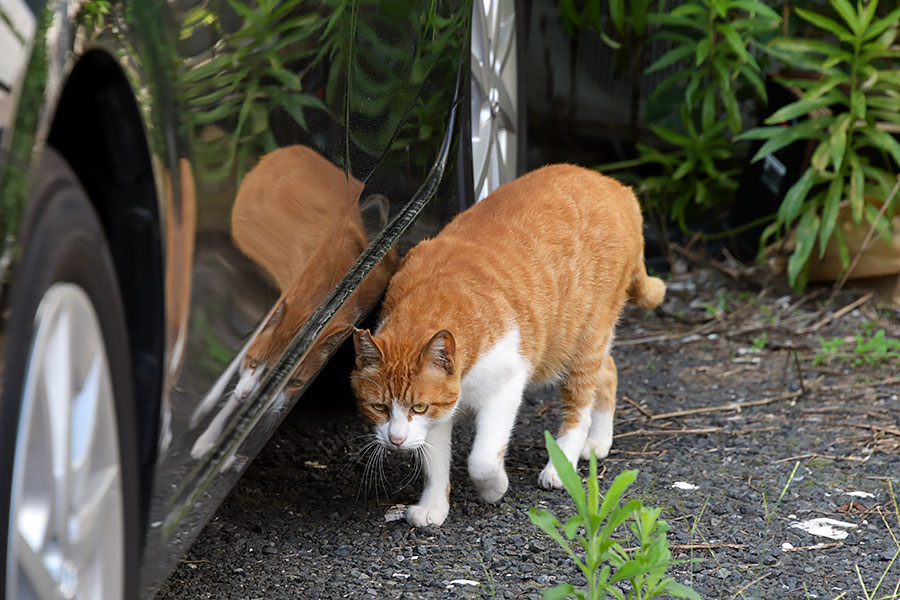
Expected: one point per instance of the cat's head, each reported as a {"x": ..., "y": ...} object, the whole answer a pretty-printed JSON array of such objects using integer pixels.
[
  {"x": 404, "y": 389},
  {"x": 269, "y": 345}
]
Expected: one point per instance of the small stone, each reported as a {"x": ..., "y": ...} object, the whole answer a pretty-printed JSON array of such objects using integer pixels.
[
  {"x": 721, "y": 574},
  {"x": 237, "y": 570},
  {"x": 270, "y": 550}
]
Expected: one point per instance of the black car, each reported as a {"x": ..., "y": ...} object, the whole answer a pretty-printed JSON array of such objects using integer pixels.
[{"x": 176, "y": 179}]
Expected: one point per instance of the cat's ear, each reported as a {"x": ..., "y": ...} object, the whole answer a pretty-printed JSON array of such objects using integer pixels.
[
  {"x": 368, "y": 352},
  {"x": 440, "y": 352}
]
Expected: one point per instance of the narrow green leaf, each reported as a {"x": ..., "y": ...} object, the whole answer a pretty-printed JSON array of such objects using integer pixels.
[
  {"x": 843, "y": 250},
  {"x": 564, "y": 590},
  {"x": 884, "y": 141},
  {"x": 737, "y": 44},
  {"x": 687, "y": 9},
  {"x": 879, "y": 26},
  {"x": 617, "y": 12},
  {"x": 825, "y": 85},
  {"x": 848, "y": 14},
  {"x": 593, "y": 485},
  {"x": 622, "y": 481},
  {"x": 825, "y": 23},
  {"x": 685, "y": 168},
  {"x": 702, "y": 51},
  {"x": 670, "y": 136},
  {"x": 798, "y": 109},
  {"x": 830, "y": 212},
  {"x": 732, "y": 110},
  {"x": 882, "y": 225},
  {"x": 754, "y": 7},
  {"x": 858, "y": 103},
  {"x": 821, "y": 155},
  {"x": 857, "y": 188},
  {"x": 807, "y": 229},
  {"x": 673, "y": 588},
  {"x": 839, "y": 140},
  {"x": 708, "y": 108},
  {"x": 671, "y": 57},
  {"x": 566, "y": 473},
  {"x": 793, "y": 201},
  {"x": 809, "y": 129},
  {"x": 754, "y": 80},
  {"x": 571, "y": 526}
]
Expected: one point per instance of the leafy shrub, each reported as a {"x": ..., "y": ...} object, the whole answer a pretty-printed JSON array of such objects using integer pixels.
[
  {"x": 602, "y": 559},
  {"x": 712, "y": 43},
  {"x": 854, "y": 155}
]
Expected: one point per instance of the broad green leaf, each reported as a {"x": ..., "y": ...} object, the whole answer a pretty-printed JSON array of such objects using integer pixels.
[
  {"x": 807, "y": 229},
  {"x": 793, "y": 199},
  {"x": 884, "y": 141},
  {"x": 545, "y": 521},
  {"x": 629, "y": 570},
  {"x": 671, "y": 57},
  {"x": 825, "y": 23},
  {"x": 567, "y": 474},
  {"x": 848, "y": 14},
  {"x": 857, "y": 188},
  {"x": 830, "y": 212},
  {"x": 737, "y": 44}
]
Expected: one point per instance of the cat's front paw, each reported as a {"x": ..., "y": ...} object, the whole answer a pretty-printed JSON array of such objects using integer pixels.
[
  {"x": 549, "y": 478},
  {"x": 423, "y": 515}
]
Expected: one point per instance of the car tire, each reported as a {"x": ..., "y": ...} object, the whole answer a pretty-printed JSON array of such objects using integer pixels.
[
  {"x": 68, "y": 452},
  {"x": 492, "y": 148}
]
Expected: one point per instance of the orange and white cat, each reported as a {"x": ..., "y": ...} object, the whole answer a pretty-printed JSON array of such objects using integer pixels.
[{"x": 522, "y": 289}]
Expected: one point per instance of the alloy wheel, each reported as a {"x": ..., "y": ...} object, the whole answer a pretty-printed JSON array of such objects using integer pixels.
[
  {"x": 66, "y": 529},
  {"x": 494, "y": 95}
]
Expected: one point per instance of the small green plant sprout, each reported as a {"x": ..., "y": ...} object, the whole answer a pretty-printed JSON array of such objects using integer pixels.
[
  {"x": 587, "y": 537},
  {"x": 872, "y": 349},
  {"x": 760, "y": 341}
]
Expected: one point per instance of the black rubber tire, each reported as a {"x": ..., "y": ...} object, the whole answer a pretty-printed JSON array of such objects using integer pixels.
[
  {"x": 464, "y": 177},
  {"x": 65, "y": 243}
]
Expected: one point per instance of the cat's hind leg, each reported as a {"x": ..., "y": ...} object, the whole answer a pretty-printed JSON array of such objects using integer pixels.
[
  {"x": 600, "y": 434},
  {"x": 578, "y": 397}
]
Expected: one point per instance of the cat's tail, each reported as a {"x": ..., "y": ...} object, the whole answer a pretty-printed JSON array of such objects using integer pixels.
[{"x": 647, "y": 292}]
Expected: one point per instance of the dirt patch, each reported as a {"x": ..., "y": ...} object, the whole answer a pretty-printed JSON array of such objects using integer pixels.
[{"x": 763, "y": 405}]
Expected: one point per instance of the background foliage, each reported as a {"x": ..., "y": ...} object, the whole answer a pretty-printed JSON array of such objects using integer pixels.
[{"x": 840, "y": 60}]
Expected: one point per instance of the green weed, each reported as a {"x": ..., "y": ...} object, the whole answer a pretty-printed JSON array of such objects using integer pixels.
[{"x": 587, "y": 537}]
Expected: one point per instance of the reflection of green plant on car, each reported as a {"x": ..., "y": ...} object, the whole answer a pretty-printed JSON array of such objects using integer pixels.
[{"x": 261, "y": 67}]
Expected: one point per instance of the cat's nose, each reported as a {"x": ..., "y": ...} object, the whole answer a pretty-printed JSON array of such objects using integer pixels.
[{"x": 397, "y": 440}]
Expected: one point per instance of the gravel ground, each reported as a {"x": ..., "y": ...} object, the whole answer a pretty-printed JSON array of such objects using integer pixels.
[{"x": 306, "y": 522}]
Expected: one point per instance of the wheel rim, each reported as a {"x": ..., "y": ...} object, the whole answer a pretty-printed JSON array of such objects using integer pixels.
[
  {"x": 66, "y": 527},
  {"x": 494, "y": 95}
]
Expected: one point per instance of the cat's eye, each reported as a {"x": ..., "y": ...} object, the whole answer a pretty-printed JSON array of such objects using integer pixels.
[
  {"x": 254, "y": 363},
  {"x": 379, "y": 407},
  {"x": 419, "y": 408},
  {"x": 294, "y": 382}
]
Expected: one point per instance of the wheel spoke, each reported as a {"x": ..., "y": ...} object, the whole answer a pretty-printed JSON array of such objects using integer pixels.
[{"x": 32, "y": 570}]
